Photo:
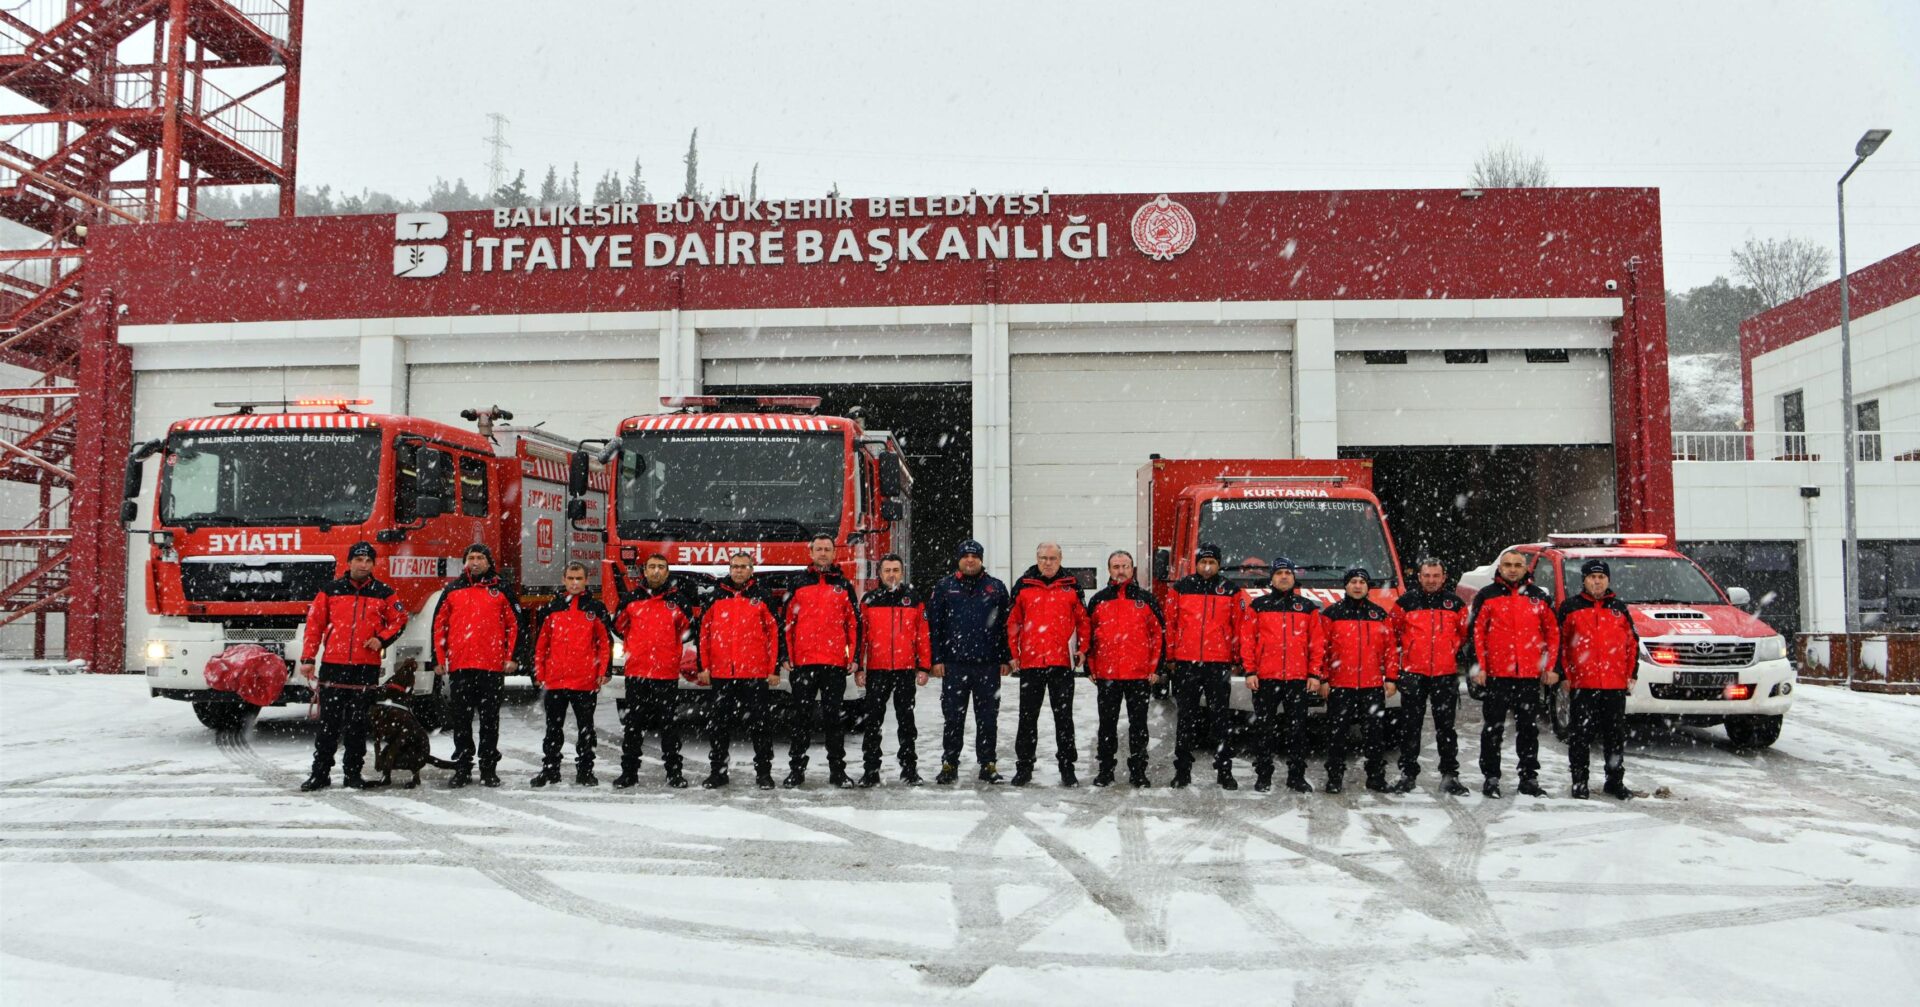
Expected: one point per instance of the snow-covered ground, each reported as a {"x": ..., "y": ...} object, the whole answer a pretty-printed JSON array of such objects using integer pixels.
[{"x": 144, "y": 860}]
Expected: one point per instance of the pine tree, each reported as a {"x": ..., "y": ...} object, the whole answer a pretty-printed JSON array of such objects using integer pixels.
[
  {"x": 607, "y": 190},
  {"x": 692, "y": 189},
  {"x": 515, "y": 194},
  {"x": 636, "y": 188},
  {"x": 573, "y": 186},
  {"x": 753, "y": 184},
  {"x": 550, "y": 187}
]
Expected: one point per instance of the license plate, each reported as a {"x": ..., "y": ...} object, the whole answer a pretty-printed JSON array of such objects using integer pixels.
[
  {"x": 1703, "y": 678},
  {"x": 277, "y": 648}
]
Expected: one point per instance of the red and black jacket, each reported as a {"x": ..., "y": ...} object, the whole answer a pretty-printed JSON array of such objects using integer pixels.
[
  {"x": 894, "y": 630},
  {"x": 1203, "y": 619},
  {"x": 740, "y": 631},
  {"x": 1124, "y": 635},
  {"x": 822, "y": 622},
  {"x": 1284, "y": 638},
  {"x": 1431, "y": 629},
  {"x": 476, "y": 625},
  {"x": 1360, "y": 649},
  {"x": 1599, "y": 648},
  {"x": 1047, "y": 616},
  {"x": 573, "y": 643},
  {"x": 654, "y": 625},
  {"x": 344, "y": 614},
  {"x": 1514, "y": 631}
]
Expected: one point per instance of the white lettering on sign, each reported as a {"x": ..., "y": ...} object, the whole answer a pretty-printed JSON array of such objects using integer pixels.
[
  {"x": 713, "y": 553},
  {"x": 253, "y": 541},
  {"x": 416, "y": 566},
  {"x": 255, "y": 576},
  {"x": 545, "y": 500},
  {"x": 1286, "y": 491}
]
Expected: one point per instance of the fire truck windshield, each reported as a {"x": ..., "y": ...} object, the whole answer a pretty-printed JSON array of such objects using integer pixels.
[
  {"x": 1322, "y": 537},
  {"x": 747, "y": 485},
  {"x": 270, "y": 477},
  {"x": 1649, "y": 580}
]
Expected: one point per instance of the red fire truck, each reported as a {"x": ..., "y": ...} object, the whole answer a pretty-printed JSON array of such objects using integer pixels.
[
  {"x": 255, "y": 510},
  {"x": 1321, "y": 514},
  {"x": 717, "y": 474}
]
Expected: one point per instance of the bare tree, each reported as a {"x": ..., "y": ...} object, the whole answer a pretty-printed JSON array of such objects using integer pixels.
[
  {"x": 1506, "y": 166},
  {"x": 1781, "y": 269}
]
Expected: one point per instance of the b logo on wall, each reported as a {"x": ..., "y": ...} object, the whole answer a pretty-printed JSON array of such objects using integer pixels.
[
  {"x": 1163, "y": 228},
  {"x": 417, "y": 262}
]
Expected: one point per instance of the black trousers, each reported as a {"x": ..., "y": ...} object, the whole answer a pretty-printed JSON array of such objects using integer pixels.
[
  {"x": 817, "y": 692},
  {"x": 1108, "y": 695},
  {"x": 651, "y": 703},
  {"x": 557, "y": 702},
  {"x": 1280, "y": 717},
  {"x": 1055, "y": 686},
  {"x": 1367, "y": 708},
  {"x": 470, "y": 694},
  {"x": 1520, "y": 698},
  {"x": 899, "y": 687},
  {"x": 1417, "y": 694},
  {"x": 980, "y": 685},
  {"x": 343, "y": 716},
  {"x": 1200, "y": 694},
  {"x": 1601, "y": 714},
  {"x": 736, "y": 700}
]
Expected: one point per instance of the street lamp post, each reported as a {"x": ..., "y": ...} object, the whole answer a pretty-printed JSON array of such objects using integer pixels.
[{"x": 1850, "y": 566}]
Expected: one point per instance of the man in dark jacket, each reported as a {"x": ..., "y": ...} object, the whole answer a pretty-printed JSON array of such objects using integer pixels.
[
  {"x": 1516, "y": 641},
  {"x": 1204, "y": 615},
  {"x": 1600, "y": 653},
  {"x": 822, "y": 627},
  {"x": 476, "y": 632},
  {"x": 1430, "y": 624},
  {"x": 896, "y": 656},
  {"x": 1048, "y": 619},
  {"x": 353, "y": 620},
  {"x": 573, "y": 652},
  {"x": 967, "y": 622}
]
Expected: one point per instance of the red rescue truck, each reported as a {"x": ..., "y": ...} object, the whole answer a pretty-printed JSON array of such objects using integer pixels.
[
  {"x": 255, "y": 510},
  {"x": 1319, "y": 513}
]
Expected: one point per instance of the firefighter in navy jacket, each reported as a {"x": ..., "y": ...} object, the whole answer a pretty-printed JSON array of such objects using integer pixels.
[
  {"x": 476, "y": 631},
  {"x": 352, "y": 621},
  {"x": 655, "y": 621},
  {"x": 1516, "y": 641},
  {"x": 1430, "y": 625},
  {"x": 1204, "y": 615},
  {"x": 1599, "y": 652},
  {"x": 1048, "y": 619},
  {"x": 967, "y": 622},
  {"x": 1283, "y": 647},
  {"x": 1124, "y": 644},
  {"x": 740, "y": 659},
  {"x": 1363, "y": 665},
  {"x": 822, "y": 627},
  {"x": 573, "y": 654},
  {"x": 896, "y": 655}
]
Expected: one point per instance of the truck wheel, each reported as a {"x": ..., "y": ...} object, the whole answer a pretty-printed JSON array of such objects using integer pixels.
[
  {"x": 224, "y": 716},
  {"x": 1753, "y": 731},
  {"x": 1558, "y": 714}
]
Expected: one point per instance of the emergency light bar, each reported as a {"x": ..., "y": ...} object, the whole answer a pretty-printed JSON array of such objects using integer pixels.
[
  {"x": 1629, "y": 540},
  {"x": 762, "y": 403},
  {"x": 246, "y": 408},
  {"x": 1336, "y": 480}
]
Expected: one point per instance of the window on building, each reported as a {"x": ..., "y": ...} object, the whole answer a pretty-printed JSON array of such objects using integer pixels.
[
  {"x": 1866, "y": 424},
  {"x": 1546, "y": 356},
  {"x": 1890, "y": 585},
  {"x": 1465, "y": 356},
  {"x": 473, "y": 487},
  {"x": 1793, "y": 421},
  {"x": 1384, "y": 356}
]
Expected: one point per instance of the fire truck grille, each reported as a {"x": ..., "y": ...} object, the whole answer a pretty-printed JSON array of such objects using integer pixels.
[
  {"x": 298, "y": 581},
  {"x": 1706, "y": 654}
]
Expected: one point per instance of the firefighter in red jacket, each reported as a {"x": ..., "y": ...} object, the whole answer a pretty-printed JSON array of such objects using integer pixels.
[
  {"x": 476, "y": 630},
  {"x": 1363, "y": 666},
  {"x": 896, "y": 654},
  {"x": 740, "y": 660},
  {"x": 573, "y": 653},
  {"x": 1046, "y": 630},
  {"x": 1599, "y": 651},
  {"x": 655, "y": 621},
  {"x": 1204, "y": 613},
  {"x": 353, "y": 620},
  {"x": 1283, "y": 648},
  {"x": 1515, "y": 641},
  {"x": 1430, "y": 624},
  {"x": 1124, "y": 644},
  {"x": 822, "y": 635}
]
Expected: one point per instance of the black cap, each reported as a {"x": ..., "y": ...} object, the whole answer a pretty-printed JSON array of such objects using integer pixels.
[
  {"x": 970, "y": 547},
  {"x": 1357, "y": 571},
  {"x": 481, "y": 548},
  {"x": 361, "y": 549},
  {"x": 1207, "y": 550},
  {"x": 1282, "y": 563},
  {"x": 1593, "y": 566}
]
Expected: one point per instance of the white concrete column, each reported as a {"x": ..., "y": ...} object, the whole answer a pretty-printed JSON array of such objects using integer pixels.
[
  {"x": 383, "y": 373},
  {"x": 1316, "y": 426},
  {"x": 992, "y": 439},
  {"x": 680, "y": 371}
]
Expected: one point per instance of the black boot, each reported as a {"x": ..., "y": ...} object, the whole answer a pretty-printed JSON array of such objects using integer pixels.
[
  {"x": 988, "y": 774},
  {"x": 460, "y": 778},
  {"x": 1022, "y": 775},
  {"x": 546, "y": 775},
  {"x": 1262, "y": 782},
  {"x": 1182, "y": 777},
  {"x": 1068, "y": 778},
  {"x": 1334, "y": 785},
  {"x": 911, "y": 776},
  {"x": 948, "y": 773},
  {"x": 1491, "y": 788},
  {"x": 627, "y": 778},
  {"x": 1579, "y": 790},
  {"x": 1617, "y": 789},
  {"x": 1298, "y": 784},
  {"x": 1530, "y": 786},
  {"x": 1377, "y": 784},
  {"x": 1104, "y": 777},
  {"x": 318, "y": 781},
  {"x": 1138, "y": 778},
  {"x": 795, "y": 777},
  {"x": 763, "y": 778},
  {"x": 1225, "y": 778},
  {"x": 869, "y": 779},
  {"x": 676, "y": 779},
  {"x": 715, "y": 780},
  {"x": 488, "y": 777},
  {"x": 1403, "y": 785},
  {"x": 353, "y": 781},
  {"x": 583, "y": 777},
  {"x": 1453, "y": 787},
  {"x": 837, "y": 777}
]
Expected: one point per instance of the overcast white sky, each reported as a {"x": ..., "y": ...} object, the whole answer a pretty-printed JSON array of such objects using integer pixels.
[{"x": 1742, "y": 113}]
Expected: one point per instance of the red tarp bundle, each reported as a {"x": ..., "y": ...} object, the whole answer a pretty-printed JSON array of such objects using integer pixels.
[{"x": 254, "y": 672}]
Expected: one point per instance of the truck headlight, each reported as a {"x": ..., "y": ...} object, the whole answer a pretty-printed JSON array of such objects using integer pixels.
[
  {"x": 157, "y": 650},
  {"x": 1773, "y": 648}
]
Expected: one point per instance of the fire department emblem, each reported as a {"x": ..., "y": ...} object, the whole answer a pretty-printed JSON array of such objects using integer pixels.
[{"x": 1163, "y": 229}]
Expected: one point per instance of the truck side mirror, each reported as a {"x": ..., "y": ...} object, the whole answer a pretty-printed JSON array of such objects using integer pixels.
[
  {"x": 577, "y": 477},
  {"x": 1163, "y": 563},
  {"x": 1739, "y": 597},
  {"x": 129, "y": 509},
  {"x": 576, "y": 509},
  {"x": 892, "y": 510},
  {"x": 429, "y": 507},
  {"x": 436, "y": 469},
  {"x": 130, "y": 487},
  {"x": 890, "y": 472}
]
